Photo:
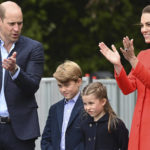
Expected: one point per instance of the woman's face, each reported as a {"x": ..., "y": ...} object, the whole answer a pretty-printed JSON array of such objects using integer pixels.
[{"x": 145, "y": 26}]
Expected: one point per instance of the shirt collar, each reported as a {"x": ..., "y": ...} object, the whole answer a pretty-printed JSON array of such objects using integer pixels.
[
  {"x": 2, "y": 44},
  {"x": 74, "y": 99}
]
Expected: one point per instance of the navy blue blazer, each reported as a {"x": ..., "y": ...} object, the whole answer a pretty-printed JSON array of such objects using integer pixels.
[
  {"x": 52, "y": 133},
  {"x": 19, "y": 93}
]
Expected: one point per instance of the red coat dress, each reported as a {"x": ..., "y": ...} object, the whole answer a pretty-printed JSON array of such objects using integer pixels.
[{"x": 138, "y": 79}]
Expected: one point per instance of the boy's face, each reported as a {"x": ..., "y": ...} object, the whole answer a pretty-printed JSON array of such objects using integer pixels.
[{"x": 70, "y": 88}]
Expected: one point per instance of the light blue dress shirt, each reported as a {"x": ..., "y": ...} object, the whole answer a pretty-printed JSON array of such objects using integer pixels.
[
  {"x": 3, "y": 106},
  {"x": 68, "y": 107}
]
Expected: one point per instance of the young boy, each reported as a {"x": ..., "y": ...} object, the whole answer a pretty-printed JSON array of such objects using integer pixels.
[{"x": 62, "y": 130}]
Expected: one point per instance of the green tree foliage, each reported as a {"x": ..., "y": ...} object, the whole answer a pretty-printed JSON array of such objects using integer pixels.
[{"x": 72, "y": 29}]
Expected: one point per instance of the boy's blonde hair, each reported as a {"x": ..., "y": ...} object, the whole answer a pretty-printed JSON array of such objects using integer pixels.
[
  {"x": 99, "y": 91},
  {"x": 68, "y": 71}
]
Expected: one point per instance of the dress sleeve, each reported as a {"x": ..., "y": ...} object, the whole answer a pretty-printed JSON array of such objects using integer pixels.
[
  {"x": 127, "y": 83},
  {"x": 142, "y": 73}
]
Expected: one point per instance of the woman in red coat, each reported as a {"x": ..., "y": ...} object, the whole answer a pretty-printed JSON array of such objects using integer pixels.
[{"x": 138, "y": 79}]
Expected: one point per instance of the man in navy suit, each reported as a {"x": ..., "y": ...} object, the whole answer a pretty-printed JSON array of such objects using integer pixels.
[
  {"x": 21, "y": 69},
  {"x": 62, "y": 129}
]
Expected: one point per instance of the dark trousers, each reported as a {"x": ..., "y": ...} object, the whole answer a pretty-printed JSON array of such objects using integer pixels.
[{"x": 8, "y": 140}]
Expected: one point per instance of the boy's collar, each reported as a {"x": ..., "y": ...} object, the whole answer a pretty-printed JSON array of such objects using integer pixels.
[{"x": 74, "y": 99}]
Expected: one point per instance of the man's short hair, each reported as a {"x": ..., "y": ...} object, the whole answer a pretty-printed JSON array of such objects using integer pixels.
[{"x": 2, "y": 12}]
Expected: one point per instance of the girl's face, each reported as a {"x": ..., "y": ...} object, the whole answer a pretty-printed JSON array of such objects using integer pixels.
[
  {"x": 145, "y": 26},
  {"x": 94, "y": 106}
]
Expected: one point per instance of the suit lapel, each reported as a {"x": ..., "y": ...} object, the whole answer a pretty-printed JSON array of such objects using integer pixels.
[
  {"x": 60, "y": 110},
  {"x": 76, "y": 110},
  {"x": 15, "y": 49},
  {"x": 1, "y": 71},
  {"x": 7, "y": 72}
]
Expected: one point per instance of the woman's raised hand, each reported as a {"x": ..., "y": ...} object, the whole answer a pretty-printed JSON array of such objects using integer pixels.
[
  {"x": 111, "y": 55},
  {"x": 128, "y": 51}
]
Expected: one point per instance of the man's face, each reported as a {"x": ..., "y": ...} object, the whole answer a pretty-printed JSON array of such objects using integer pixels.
[
  {"x": 69, "y": 89},
  {"x": 11, "y": 26}
]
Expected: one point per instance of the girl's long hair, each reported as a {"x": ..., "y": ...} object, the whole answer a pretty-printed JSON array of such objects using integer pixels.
[{"x": 99, "y": 91}]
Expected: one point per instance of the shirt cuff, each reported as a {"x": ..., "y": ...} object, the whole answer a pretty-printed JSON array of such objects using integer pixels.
[{"x": 14, "y": 76}]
